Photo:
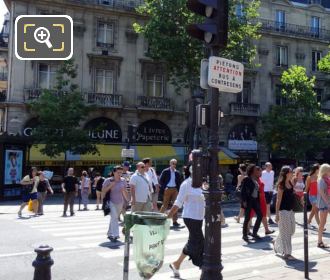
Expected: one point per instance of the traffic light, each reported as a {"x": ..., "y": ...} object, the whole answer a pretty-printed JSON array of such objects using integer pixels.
[
  {"x": 200, "y": 163},
  {"x": 214, "y": 31}
]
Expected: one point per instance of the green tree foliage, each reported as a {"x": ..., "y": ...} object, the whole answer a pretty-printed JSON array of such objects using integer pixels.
[
  {"x": 297, "y": 126},
  {"x": 60, "y": 112},
  {"x": 324, "y": 63},
  {"x": 165, "y": 32}
]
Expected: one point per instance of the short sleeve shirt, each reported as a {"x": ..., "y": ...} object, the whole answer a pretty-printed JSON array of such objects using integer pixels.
[
  {"x": 142, "y": 187},
  {"x": 35, "y": 185},
  {"x": 268, "y": 179},
  {"x": 70, "y": 183},
  {"x": 116, "y": 194}
]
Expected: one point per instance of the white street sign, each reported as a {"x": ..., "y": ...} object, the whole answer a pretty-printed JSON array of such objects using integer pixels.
[
  {"x": 129, "y": 153},
  {"x": 225, "y": 74}
]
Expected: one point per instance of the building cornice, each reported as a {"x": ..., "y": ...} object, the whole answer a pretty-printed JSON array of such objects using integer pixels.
[{"x": 83, "y": 5}]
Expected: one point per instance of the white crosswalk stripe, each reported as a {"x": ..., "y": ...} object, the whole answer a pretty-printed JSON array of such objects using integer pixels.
[{"x": 88, "y": 231}]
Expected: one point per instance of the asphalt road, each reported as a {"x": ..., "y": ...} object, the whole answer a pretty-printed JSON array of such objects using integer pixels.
[{"x": 82, "y": 252}]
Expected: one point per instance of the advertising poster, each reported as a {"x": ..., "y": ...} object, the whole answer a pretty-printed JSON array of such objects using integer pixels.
[{"x": 13, "y": 166}]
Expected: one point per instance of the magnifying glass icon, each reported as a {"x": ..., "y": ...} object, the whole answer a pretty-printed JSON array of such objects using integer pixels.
[{"x": 41, "y": 35}]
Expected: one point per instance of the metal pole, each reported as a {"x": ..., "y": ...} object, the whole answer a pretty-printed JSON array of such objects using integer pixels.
[
  {"x": 212, "y": 267},
  {"x": 306, "y": 262},
  {"x": 126, "y": 252}
]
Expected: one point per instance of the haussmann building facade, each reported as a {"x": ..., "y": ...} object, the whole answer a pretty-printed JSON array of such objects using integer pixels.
[{"x": 116, "y": 75}]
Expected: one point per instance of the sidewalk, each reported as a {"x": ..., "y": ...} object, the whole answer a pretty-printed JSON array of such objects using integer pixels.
[{"x": 318, "y": 270}]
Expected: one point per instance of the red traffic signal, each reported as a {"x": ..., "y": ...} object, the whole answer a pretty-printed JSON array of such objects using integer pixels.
[{"x": 214, "y": 31}]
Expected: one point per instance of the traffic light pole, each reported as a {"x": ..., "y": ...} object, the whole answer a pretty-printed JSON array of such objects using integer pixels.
[{"x": 212, "y": 267}]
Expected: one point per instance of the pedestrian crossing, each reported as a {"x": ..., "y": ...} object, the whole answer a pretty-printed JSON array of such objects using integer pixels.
[{"x": 87, "y": 230}]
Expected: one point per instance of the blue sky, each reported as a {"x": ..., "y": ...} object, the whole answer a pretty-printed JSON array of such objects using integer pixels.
[{"x": 3, "y": 11}]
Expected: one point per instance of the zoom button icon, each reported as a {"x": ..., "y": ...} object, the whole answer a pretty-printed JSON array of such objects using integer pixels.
[{"x": 43, "y": 37}]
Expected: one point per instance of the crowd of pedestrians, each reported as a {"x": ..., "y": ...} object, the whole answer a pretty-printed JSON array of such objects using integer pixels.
[
  {"x": 256, "y": 191},
  {"x": 144, "y": 190}
]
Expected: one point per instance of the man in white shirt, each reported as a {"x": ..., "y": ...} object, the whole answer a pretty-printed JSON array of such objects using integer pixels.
[
  {"x": 141, "y": 190},
  {"x": 153, "y": 180},
  {"x": 268, "y": 179}
]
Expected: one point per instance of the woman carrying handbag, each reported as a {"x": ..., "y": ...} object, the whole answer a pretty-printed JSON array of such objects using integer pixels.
[{"x": 116, "y": 184}]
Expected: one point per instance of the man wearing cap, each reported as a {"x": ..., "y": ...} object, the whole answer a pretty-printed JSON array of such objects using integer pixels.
[
  {"x": 170, "y": 181},
  {"x": 141, "y": 190}
]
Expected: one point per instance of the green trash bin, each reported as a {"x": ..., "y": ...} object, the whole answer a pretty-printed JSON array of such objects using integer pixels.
[{"x": 150, "y": 231}]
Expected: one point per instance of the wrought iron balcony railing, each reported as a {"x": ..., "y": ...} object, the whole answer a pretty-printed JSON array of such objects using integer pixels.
[
  {"x": 32, "y": 93},
  {"x": 294, "y": 30},
  {"x": 105, "y": 45},
  {"x": 98, "y": 99},
  {"x": 126, "y": 5},
  {"x": 155, "y": 103},
  {"x": 244, "y": 109},
  {"x": 104, "y": 99},
  {"x": 3, "y": 76},
  {"x": 4, "y": 40},
  {"x": 3, "y": 95}
]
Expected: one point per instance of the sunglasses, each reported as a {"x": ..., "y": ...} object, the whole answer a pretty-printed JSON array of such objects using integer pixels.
[{"x": 142, "y": 167}]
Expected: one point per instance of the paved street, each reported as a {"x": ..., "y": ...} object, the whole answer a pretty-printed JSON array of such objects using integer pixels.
[{"x": 81, "y": 250}]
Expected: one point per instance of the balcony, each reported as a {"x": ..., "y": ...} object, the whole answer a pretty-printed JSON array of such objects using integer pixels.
[
  {"x": 294, "y": 30},
  {"x": 3, "y": 40},
  {"x": 32, "y": 93},
  {"x": 244, "y": 109},
  {"x": 155, "y": 103},
  {"x": 104, "y": 100},
  {"x": 124, "y": 5},
  {"x": 105, "y": 45},
  {"x": 3, "y": 76},
  {"x": 3, "y": 95}
]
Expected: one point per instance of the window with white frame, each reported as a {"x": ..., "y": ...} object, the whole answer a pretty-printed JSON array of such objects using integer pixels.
[
  {"x": 281, "y": 56},
  {"x": 47, "y": 75},
  {"x": 154, "y": 85},
  {"x": 104, "y": 81},
  {"x": 280, "y": 19},
  {"x": 105, "y": 34},
  {"x": 245, "y": 95},
  {"x": 316, "y": 57},
  {"x": 315, "y": 26}
]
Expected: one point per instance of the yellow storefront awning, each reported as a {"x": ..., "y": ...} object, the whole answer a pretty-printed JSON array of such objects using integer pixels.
[
  {"x": 106, "y": 152},
  {"x": 227, "y": 157},
  {"x": 36, "y": 155},
  {"x": 156, "y": 152}
]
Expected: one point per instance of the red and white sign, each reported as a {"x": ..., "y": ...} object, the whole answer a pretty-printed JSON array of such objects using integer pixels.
[{"x": 225, "y": 74}]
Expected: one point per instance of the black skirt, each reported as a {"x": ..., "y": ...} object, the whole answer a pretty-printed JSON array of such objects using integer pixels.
[{"x": 195, "y": 245}]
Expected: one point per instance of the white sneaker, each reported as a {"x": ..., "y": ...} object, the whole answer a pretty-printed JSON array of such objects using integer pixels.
[{"x": 175, "y": 271}]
